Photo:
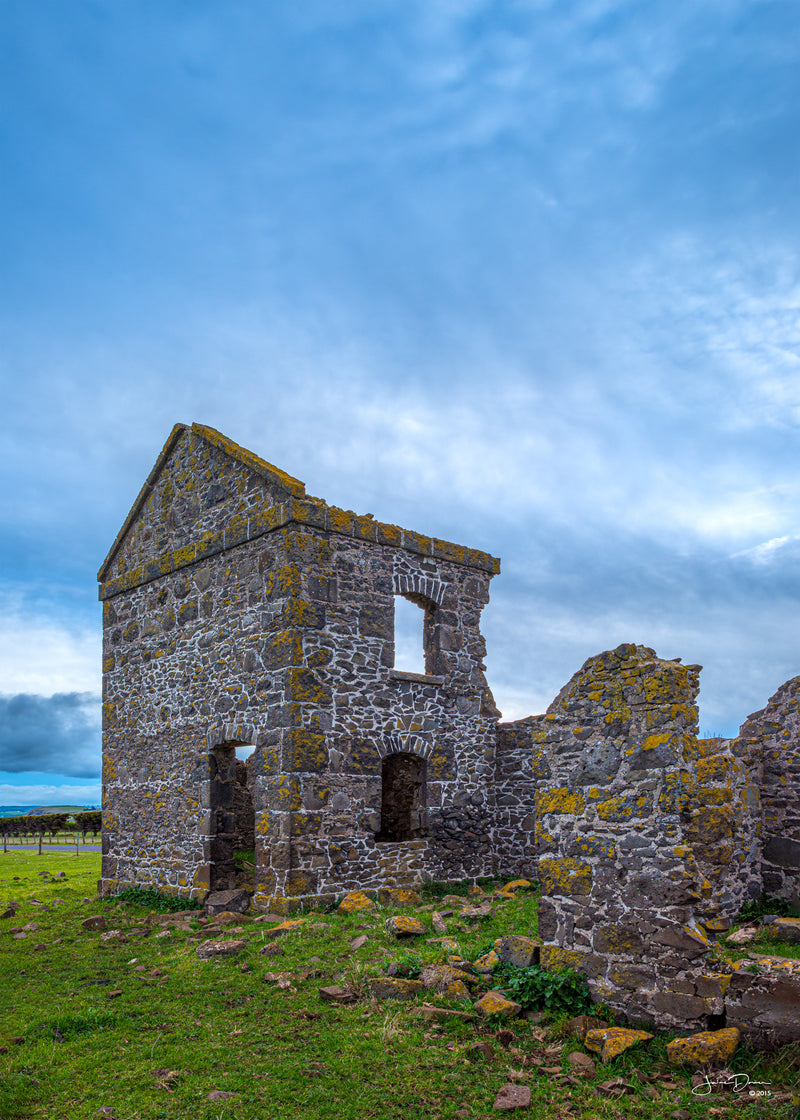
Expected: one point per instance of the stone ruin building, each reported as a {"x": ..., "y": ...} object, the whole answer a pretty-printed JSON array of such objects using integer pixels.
[{"x": 238, "y": 611}]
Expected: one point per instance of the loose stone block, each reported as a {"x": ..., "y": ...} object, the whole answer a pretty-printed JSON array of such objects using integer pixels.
[
  {"x": 96, "y": 922},
  {"x": 519, "y": 951},
  {"x": 356, "y": 901},
  {"x": 405, "y": 927},
  {"x": 211, "y": 950},
  {"x": 705, "y": 1047},
  {"x": 511, "y": 1097},
  {"x": 232, "y": 901},
  {"x": 487, "y": 963},
  {"x": 394, "y": 896},
  {"x": 495, "y": 1003},
  {"x": 786, "y": 929},
  {"x": 389, "y": 987},
  {"x": 610, "y": 1042}
]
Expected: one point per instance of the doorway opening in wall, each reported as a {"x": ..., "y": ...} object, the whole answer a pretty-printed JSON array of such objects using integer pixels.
[
  {"x": 232, "y": 817},
  {"x": 402, "y": 798}
]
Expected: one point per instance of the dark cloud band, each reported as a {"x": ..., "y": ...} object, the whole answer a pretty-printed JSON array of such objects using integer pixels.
[{"x": 57, "y": 734}]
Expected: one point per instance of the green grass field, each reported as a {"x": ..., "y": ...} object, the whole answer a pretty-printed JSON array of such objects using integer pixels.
[{"x": 142, "y": 1028}]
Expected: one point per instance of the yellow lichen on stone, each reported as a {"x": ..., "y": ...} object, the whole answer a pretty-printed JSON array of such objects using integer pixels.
[
  {"x": 562, "y": 800},
  {"x": 623, "y": 808},
  {"x": 457, "y": 989},
  {"x": 707, "y": 1046},
  {"x": 396, "y": 896},
  {"x": 495, "y": 1003},
  {"x": 404, "y": 926},
  {"x": 565, "y": 876},
  {"x": 610, "y": 1042},
  {"x": 552, "y": 958},
  {"x": 487, "y": 962},
  {"x": 356, "y": 901},
  {"x": 650, "y": 742},
  {"x": 518, "y": 885}
]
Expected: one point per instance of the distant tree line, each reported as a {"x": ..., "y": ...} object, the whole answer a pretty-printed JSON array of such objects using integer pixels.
[{"x": 41, "y": 824}]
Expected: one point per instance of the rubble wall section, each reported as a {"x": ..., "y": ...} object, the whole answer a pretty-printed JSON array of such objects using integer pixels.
[
  {"x": 772, "y": 736},
  {"x": 625, "y": 894}
]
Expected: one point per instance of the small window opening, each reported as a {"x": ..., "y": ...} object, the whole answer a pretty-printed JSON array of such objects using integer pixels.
[
  {"x": 409, "y": 632},
  {"x": 402, "y": 798}
]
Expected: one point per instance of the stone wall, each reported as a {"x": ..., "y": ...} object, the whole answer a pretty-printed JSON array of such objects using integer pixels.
[
  {"x": 772, "y": 737},
  {"x": 518, "y": 771},
  {"x": 272, "y": 624},
  {"x": 635, "y": 824}
]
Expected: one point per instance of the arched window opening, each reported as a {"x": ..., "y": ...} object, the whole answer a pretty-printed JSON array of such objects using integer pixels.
[
  {"x": 411, "y": 619},
  {"x": 402, "y": 798}
]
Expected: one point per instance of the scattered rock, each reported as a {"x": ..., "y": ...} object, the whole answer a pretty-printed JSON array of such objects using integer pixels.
[
  {"x": 387, "y": 987},
  {"x": 610, "y": 1042},
  {"x": 707, "y": 1046},
  {"x": 272, "y": 949},
  {"x": 31, "y": 927},
  {"x": 485, "y": 965},
  {"x": 335, "y": 994},
  {"x": 510, "y": 1097},
  {"x": 476, "y": 913},
  {"x": 356, "y": 901},
  {"x": 495, "y": 1003},
  {"x": 405, "y": 927},
  {"x": 519, "y": 951},
  {"x": 285, "y": 927},
  {"x": 743, "y": 936},
  {"x": 233, "y": 901},
  {"x": 783, "y": 929},
  {"x": 582, "y": 1062},
  {"x": 211, "y": 950},
  {"x": 97, "y": 921},
  {"x": 581, "y": 1024},
  {"x": 431, "y": 1011},
  {"x": 359, "y": 942},
  {"x": 394, "y": 896},
  {"x": 113, "y": 935},
  {"x": 437, "y": 977},
  {"x": 438, "y": 922},
  {"x": 282, "y": 979}
]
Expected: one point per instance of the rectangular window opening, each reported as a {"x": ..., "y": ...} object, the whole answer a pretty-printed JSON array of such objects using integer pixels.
[{"x": 409, "y": 629}]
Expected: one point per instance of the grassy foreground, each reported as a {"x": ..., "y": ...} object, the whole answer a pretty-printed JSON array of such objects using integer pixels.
[{"x": 140, "y": 1028}]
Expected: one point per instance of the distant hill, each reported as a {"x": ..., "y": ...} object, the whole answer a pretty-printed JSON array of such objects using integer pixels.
[{"x": 39, "y": 810}]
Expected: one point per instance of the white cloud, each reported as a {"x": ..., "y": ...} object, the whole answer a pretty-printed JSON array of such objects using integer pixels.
[{"x": 41, "y": 655}]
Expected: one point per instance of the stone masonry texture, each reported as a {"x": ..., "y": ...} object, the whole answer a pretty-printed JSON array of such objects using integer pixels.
[{"x": 237, "y": 610}]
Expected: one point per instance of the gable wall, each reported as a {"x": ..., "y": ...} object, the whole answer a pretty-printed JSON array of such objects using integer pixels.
[{"x": 198, "y": 491}]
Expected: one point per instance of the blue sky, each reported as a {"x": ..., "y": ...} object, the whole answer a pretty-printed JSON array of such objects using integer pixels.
[{"x": 520, "y": 274}]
